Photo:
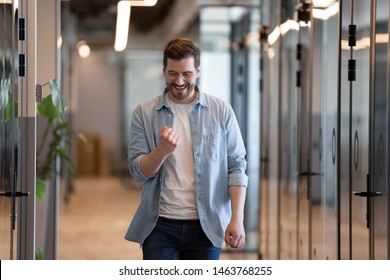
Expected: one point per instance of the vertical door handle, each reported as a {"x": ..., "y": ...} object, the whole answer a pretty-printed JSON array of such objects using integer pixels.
[{"x": 368, "y": 194}]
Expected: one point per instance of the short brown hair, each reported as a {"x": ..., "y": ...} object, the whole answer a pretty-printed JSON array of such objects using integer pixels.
[{"x": 181, "y": 48}]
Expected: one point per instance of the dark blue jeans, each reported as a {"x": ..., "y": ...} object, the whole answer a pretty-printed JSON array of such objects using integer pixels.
[{"x": 179, "y": 240}]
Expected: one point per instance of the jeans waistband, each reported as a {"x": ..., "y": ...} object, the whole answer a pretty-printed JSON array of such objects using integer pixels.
[{"x": 160, "y": 218}]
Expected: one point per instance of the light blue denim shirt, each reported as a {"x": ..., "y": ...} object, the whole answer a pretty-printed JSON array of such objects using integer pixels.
[{"x": 219, "y": 156}]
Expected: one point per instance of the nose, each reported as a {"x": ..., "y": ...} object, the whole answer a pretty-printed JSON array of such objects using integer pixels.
[{"x": 180, "y": 79}]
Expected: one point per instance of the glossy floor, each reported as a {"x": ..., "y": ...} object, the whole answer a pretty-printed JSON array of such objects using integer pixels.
[{"x": 96, "y": 217}]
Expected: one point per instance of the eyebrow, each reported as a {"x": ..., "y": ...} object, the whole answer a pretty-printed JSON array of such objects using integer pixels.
[{"x": 188, "y": 71}]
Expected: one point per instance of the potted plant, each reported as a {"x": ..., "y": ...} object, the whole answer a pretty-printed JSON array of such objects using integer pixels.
[
  {"x": 54, "y": 142},
  {"x": 56, "y": 137},
  {"x": 57, "y": 134}
]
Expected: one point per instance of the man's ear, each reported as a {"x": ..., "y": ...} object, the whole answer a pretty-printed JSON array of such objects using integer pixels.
[{"x": 197, "y": 72}]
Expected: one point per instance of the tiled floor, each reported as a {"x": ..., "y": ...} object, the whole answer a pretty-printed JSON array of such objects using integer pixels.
[{"x": 93, "y": 223}]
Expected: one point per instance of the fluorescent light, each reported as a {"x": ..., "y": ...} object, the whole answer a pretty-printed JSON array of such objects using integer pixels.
[
  {"x": 122, "y": 25},
  {"x": 325, "y": 14},
  {"x": 281, "y": 30},
  {"x": 59, "y": 42},
  {"x": 382, "y": 38},
  {"x": 365, "y": 42},
  {"x": 150, "y": 2},
  {"x": 143, "y": 3},
  {"x": 274, "y": 35},
  {"x": 289, "y": 25},
  {"x": 322, "y": 3}
]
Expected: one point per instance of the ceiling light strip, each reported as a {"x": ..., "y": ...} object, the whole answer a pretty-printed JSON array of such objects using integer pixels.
[
  {"x": 122, "y": 25},
  {"x": 143, "y": 3}
]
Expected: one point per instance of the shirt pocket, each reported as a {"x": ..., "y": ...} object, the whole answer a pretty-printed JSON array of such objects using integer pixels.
[{"x": 213, "y": 146}]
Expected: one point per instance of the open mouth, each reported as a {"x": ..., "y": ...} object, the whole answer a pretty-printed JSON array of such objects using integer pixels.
[{"x": 180, "y": 87}]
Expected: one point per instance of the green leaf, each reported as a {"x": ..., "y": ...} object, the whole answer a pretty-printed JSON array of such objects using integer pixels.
[
  {"x": 57, "y": 97},
  {"x": 38, "y": 254},
  {"x": 8, "y": 110},
  {"x": 47, "y": 109},
  {"x": 4, "y": 90},
  {"x": 69, "y": 163},
  {"x": 40, "y": 189}
]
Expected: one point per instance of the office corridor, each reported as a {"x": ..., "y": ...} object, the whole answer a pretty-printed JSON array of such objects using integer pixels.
[{"x": 94, "y": 221}]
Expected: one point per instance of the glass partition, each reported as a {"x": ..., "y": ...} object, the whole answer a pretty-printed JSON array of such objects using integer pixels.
[
  {"x": 8, "y": 132},
  {"x": 360, "y": 125},
  {"x": 229, "y": 70},
  {"x": 270, "y": 163},
  {"x": 380, "y": 154},
  {"x": 288, "y": 142},
  {"x": 324, "y": 132}
]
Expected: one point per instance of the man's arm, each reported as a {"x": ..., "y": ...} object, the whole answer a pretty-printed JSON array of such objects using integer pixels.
[{"x": 235, "y": 232}]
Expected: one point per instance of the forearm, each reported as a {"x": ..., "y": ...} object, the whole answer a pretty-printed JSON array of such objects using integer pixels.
[
  {"x": 237, "y": 197},
  {"x": 151, "y": 163},
  {"x": 235, "y": 232}
]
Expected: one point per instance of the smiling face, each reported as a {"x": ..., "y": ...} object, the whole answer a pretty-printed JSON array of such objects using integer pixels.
[{"x": 180, "y": 76}]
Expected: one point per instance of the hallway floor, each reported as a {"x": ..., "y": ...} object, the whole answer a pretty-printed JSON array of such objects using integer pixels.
[{"x": 94, "y": 221}]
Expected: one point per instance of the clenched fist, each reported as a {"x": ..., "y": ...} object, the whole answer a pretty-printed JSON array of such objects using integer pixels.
[{"x": 168, "y": 140}]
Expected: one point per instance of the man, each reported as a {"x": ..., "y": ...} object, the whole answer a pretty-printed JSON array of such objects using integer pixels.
[{"x": 186, "y": 148}]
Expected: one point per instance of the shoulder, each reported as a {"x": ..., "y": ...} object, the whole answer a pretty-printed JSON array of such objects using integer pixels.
[
  {"x": 148, "y": 105},
  {"x": 151, "y": 102},
  {"x": 215, "y": 102}
]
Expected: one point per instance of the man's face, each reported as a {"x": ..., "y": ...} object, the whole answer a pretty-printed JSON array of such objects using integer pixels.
[{"x": 180, "y": 76}]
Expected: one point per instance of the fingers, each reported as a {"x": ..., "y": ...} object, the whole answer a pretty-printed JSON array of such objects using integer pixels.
[
  {"x": 168, "y": 140},
  {"x": 235, "y": 242},
  {"x": 235, "y": 237},
  {"x": 172, "y": 136},
  {"x": 169, "y": 134},
  {"x": 164, "y": 131}
]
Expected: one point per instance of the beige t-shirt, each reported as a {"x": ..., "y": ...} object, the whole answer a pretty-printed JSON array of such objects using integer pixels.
[{"x": 178, "y": 192}]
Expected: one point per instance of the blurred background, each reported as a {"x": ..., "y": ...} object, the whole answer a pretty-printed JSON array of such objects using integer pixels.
[
  {"x": 308, "y": 81},
  {"x": 109, "y": 84},
  {"x": 104, "y": 72}
]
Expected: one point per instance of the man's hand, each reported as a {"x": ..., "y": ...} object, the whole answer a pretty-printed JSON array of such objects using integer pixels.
[
  {"x": 168, "y": 140},
  {"x": 235, "y": 234}
]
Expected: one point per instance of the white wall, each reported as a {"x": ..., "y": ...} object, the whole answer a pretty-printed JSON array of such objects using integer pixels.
[{"x": 99, "y": 101}]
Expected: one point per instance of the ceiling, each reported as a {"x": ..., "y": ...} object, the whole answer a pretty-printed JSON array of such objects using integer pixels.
[{"x": 96, "y": 19}]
